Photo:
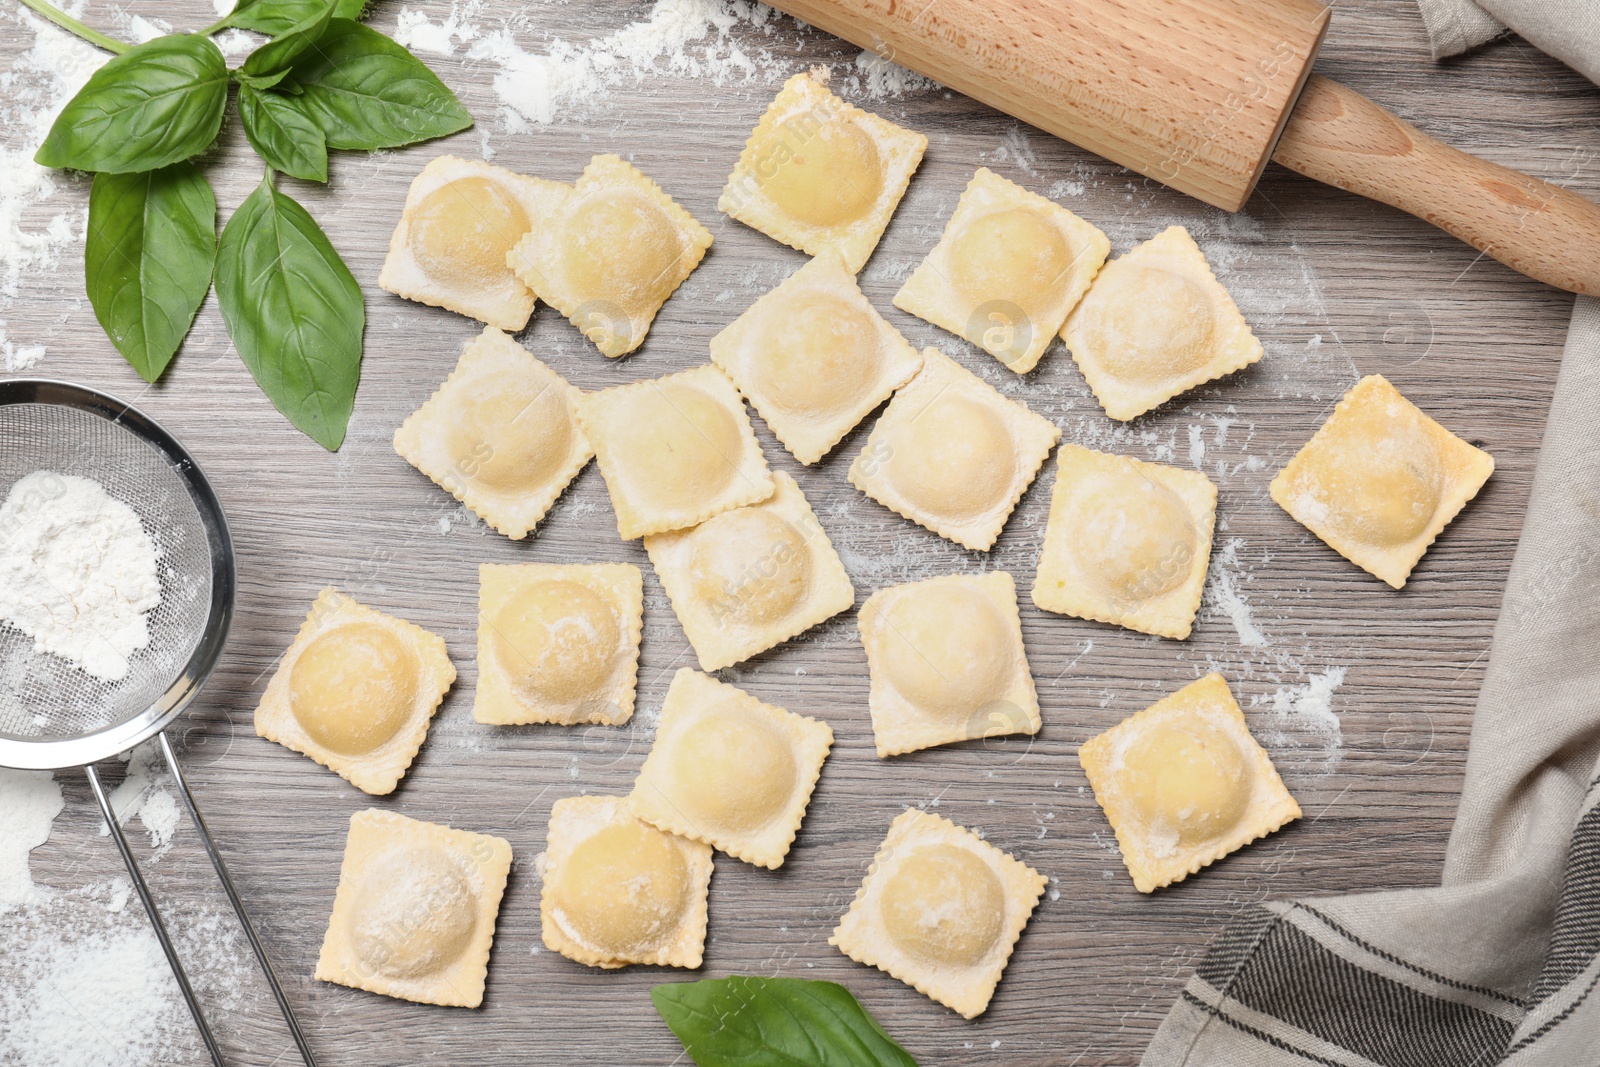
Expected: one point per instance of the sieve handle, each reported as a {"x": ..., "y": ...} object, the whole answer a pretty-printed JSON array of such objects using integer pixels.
[
  {"x": 155, "y": 916},
  {"x": 238, "y": 904}
]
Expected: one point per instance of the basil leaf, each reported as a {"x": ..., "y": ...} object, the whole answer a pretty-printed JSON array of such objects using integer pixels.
[
  {"x": 294, "y": 311},
  {"x": 153, "y": 105},
  {"x": 368, "y": 92},
  {"x": 147, "y": 261},
  {"x": 747, "y": 1021},
  {"x": 277, "y": 55},
  {"x": 283, "y": 135},
  {"x": 280, "y": 16}
]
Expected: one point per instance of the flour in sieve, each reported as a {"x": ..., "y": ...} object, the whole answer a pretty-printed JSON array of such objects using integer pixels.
[{"x": 77, "y": 572}]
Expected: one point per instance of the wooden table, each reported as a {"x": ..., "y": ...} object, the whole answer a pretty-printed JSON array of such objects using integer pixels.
[{"x": 1334, "y": 286}]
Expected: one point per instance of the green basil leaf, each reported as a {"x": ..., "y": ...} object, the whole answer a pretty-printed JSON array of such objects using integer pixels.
[
  {"x": 278, "y": 54},
  {"x": 153, "y": 105},
  {"x": 747, "y": 1021},
  {"x": 147, "y": 260},
  {"x": 368, "y": 92},
  {"x": 280, "y": 16},
  {"x": 283, "y": 135},
  {"x": 293, "y": 310}
]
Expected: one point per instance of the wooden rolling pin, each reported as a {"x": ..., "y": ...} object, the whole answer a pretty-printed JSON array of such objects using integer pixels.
[{"x": 1199, "y": 94}]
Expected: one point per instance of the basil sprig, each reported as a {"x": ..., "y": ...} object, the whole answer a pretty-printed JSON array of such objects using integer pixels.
[
  {"x": 747, "y": 1021},
  {"x": 291, "y": 305}
]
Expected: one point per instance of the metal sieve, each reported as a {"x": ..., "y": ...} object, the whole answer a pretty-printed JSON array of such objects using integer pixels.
[{"x": 55, "y": 716}]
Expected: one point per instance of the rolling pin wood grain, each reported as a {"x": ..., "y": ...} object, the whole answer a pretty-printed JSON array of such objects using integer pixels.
[{"x": 1201, "y": 94}]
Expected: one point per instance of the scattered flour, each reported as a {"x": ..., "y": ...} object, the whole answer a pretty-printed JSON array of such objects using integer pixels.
[
  {"x": 1302, "y": 717},
  {"x": 29, "y": 803},
  {"x": 32, "y": 237},
  {"x": 1222, "y": 596},
  {"x": 683, "y": 38},
  {"x": 143, "y": 793},
  {"x": 417, "y": 32},
  {"x": 85, "y": 981},
  {"x": 77, "y": 572},
  {"x": 877, "y": 78}
]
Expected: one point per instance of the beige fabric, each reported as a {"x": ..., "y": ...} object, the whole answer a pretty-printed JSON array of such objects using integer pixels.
[{"x": 1567, "y": 29}]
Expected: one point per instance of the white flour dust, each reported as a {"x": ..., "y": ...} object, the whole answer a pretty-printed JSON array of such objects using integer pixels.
[
  {"x": 32, "y": 234},
  {"x": 677, "y": 38},
  {"x": 77, "y": 572},
  {"x": 29, "y": 803},
  {"x": 143, "y": 793},
  {"x": 1302, "y": 717},
  {"x": 84, "y": 980},
  {"x": 1222, "y": 596}
]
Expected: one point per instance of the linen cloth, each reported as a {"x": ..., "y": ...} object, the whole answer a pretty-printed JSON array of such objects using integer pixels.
[{"x": 1567, "y": 29}]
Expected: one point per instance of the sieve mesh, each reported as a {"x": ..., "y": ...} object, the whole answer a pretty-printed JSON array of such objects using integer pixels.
[{"x": 43, "y": 697}]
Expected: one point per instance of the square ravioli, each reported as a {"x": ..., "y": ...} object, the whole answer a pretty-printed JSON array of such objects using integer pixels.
[
  {"x": 500, "y": 435},
  {"x": 1183, "y": 784},
  {"x": 946, "y": 662},
  {"x": 675, "y": 450},
  {"x": 751, "y": 578},
  {"x": 813, "y": 356},
  {"x": 558, "y": 643},
  {"x": 609, "y": 253},
  {"x": 449, "y": 249},
  {"x": 1127, "y": 542},
  {"x": 619, "y": 891},
  {"x": 1156, "y": 323},
  {"x": 415, "y": 911},
  {"x": 730, "y": 770},
  {"x": 940, "y": 909},
  {"x": 952, "y": 454},
  {"x": 1007, "y": 270},
  {"x": 1380, "y": 480},
  {"x": 356, "y": 691},
  {"x": 820, "y": 174}
]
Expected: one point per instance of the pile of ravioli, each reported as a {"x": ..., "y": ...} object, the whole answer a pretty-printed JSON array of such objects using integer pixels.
[{"x": 747, "y": 565}]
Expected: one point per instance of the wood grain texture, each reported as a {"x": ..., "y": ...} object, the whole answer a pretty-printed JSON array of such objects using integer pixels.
[
  {"x": 1343, "y": 139},
  {"x": 1190, "y": 92},
  {"x": 1335, "y": 287}
]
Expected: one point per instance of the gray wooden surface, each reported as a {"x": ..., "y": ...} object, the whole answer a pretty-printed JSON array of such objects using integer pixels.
[{"x": 1335, "y": 287}]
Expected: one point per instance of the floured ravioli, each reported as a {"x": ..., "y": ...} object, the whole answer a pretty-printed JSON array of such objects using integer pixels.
[
  {"x": 619, "y": 891},
  {"x": 610, "y": 252},
  {"x": 460, "y": 219},
  {"x": 941, "y": 909},
  {"x": 952, "y": 454},
  {"x": 558, "y": 643},
  {"x": 1157, "y": 323},
  {"x": 730, "y": 770},
  {"x": 1127, "y": 542},
  {"x": 1184, "y": 784},
  {"x": 356, "y": 691},
  {"x": 415, "y": 912},
  {"x": 946, "y": 661},
  {"x": 751, "y": 578},
  {"x": 814, "y": 357},
  {"x": 1006, "y": 272},
  {"x": 674, "y": 451},
  {"x": 500, "y": 435},
  {"x": 819, "y": 174},
  {"x": 1380, "y": 480}
]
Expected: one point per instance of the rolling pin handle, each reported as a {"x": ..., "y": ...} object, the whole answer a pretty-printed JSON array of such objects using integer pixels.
[{"x": 1341, "y": 138}]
